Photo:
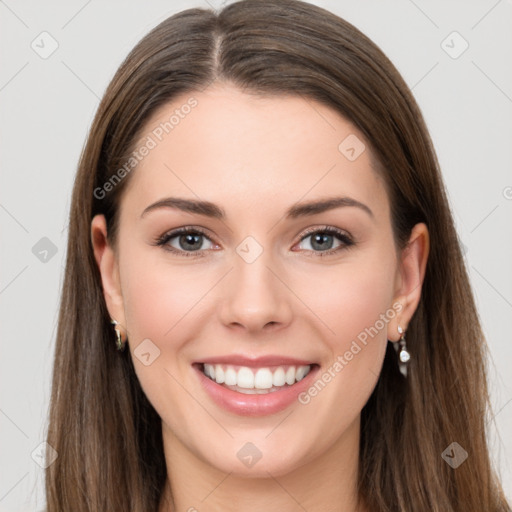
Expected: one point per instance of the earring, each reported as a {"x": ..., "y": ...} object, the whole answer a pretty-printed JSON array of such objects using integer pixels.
[
  {"x": 404, "y": 355},
  {"x": 119, "y": 342}
]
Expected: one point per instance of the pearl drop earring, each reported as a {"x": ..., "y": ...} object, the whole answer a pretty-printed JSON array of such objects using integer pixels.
[{"x": 404, "y": 356}]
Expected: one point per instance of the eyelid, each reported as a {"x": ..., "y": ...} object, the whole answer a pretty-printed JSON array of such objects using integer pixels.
[{"x": 325, "y": 228}]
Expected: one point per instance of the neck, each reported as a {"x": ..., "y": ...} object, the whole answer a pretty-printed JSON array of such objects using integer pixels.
[{"x": 327, "y": 482}]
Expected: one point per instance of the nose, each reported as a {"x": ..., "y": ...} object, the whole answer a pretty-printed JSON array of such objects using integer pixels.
[{"x": 255, "y": 296}]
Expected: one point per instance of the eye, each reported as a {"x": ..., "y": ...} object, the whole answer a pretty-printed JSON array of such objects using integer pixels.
[
  {"x": 322, "y": 240},
  {"x": 189, "y": 241}
]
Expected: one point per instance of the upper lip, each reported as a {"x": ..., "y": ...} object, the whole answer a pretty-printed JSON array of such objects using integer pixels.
[{"x": 262, "y": 361}]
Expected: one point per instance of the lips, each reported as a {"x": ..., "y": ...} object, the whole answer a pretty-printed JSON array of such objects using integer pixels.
[{"x": 257, "y": 386}]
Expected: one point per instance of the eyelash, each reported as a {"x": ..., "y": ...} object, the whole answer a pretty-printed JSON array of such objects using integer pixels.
[{"x": 164, "y": 239}]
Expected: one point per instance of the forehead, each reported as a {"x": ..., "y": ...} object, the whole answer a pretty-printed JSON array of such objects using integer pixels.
[{"x": 241, "y": 150}]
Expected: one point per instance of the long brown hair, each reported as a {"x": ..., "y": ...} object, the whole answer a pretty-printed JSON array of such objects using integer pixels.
[{"x": 107, "y": 434}]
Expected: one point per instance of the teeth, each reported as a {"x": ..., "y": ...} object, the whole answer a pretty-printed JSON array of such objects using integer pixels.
[
  {"x": 301, "y": 372},
  {"x": 279, "y": 379},
  {"x": 245, "y": 378},
  {"x": 263, "y": 379},
  {"x": 219, "y": 374},
  {"x": 229, "y": 376},
  {"x": 251, "y": 381},
  {"x": 290, "y": 376}
]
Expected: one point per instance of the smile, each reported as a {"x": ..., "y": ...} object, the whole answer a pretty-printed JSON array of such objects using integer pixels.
[
  {"x": 255, "y": 380},
  {"x": 254, "y": 390}
]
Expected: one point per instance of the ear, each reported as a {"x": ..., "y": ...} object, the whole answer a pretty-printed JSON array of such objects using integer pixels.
[
  {"x": 409, "y": 280},
  {"x": 109, "y": 270}
]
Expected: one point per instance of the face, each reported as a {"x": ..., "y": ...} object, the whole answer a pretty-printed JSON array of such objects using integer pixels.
[{"x": 259, "y": 290}]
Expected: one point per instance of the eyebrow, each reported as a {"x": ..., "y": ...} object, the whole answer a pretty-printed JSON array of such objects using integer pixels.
[{"x": 210, "y": 209}]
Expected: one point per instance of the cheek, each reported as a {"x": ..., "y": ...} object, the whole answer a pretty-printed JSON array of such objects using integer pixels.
[
  {"x": 354, "y": 305},
  {"x": 158, "y": 295},
  {"x": 161, "y": 305},
  {"x": 165, "y": 302},
  {"x": 350, "y": 298},
  {"x": 363, "y": 296}
]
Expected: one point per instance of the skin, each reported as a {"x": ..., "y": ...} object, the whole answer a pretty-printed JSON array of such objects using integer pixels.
[{"x": 256, "y": 157}]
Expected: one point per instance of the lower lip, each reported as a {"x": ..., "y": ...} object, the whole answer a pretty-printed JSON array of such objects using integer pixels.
[{"x": 255, "y": 405}]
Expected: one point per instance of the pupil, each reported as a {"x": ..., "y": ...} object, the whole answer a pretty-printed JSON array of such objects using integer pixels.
[
  {"x": 189, "y": 240},
  {"x": 320, "y": 239}
]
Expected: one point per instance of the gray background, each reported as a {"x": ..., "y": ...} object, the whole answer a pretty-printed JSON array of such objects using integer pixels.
[{"x": 47, "y": 105}]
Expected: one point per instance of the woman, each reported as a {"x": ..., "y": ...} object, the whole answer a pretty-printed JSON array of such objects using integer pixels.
[{"x": 259, "y": 216}]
